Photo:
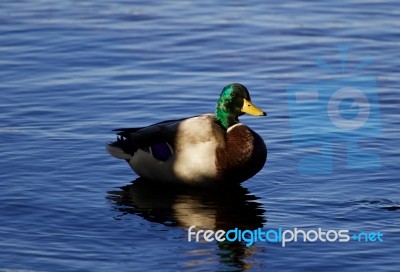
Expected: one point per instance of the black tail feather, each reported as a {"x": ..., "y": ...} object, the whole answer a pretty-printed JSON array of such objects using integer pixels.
[{"x": 127, "y": 145}]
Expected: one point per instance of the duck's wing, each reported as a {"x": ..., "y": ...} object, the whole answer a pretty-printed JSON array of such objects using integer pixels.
[{"x": 159, "y": 139}]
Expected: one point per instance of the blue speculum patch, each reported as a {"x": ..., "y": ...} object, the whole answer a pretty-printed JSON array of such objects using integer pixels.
[{"x": 161, "y": 151}]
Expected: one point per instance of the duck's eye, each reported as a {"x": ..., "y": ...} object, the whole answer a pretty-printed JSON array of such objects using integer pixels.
[{"x": 233, "y": 95}]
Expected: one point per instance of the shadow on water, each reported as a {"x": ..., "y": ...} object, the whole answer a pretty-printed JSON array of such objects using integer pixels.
[{"x": 216, "y": 208}]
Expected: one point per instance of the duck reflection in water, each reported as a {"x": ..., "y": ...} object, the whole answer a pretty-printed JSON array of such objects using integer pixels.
[{"x": 215, "y": 209}]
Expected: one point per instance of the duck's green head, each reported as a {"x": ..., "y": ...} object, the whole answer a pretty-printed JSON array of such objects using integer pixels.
[{"x": 233, "y": 102}]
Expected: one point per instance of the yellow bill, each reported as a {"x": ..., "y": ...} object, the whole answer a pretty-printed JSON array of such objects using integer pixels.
[{"x": 249, "y": 108}]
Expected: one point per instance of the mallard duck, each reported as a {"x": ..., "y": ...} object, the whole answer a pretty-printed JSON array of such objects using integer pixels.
[{"x": 200, "y": 150}]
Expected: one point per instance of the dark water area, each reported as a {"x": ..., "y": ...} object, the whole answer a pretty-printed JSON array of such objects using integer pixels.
[{"x": 72, "y": 71}]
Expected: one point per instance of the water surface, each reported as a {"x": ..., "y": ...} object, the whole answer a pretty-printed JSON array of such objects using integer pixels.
[{"x": 72, "y": 71}]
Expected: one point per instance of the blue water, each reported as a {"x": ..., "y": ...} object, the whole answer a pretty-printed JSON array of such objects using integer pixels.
[{"x": 71, "y": 71}]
